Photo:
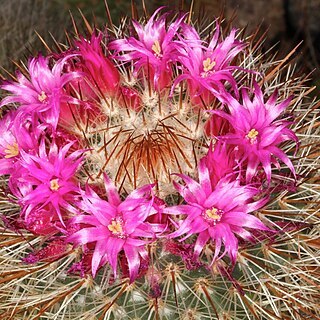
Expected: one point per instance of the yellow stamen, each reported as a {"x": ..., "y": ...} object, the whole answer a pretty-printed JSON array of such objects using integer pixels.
[
  {"x": 252, "y": 135},
  {"x": 42, "y": 97},
  {"x": 54, "y": 185},
  {"x": 11, "y": 151},
  {"x": 213, "y": 214},
  {"x": 156, "y": 48},
  {"x": 208, "y": 65},
  {"x": 115, "y": 227}
]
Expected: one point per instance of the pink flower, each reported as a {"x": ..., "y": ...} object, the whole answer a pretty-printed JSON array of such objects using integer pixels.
[
  {"x": 42, "y": 220},
  {"x": 45, "y": 182},
  {"x": 14, "y": 136},
  {"x": 208, "y": 68},
  {"x": 216, "y": 126},
  {"x": 130, "y": 98},
  {"x": 158, "y": 218},
  {"x": 153, "y": 51},
  {"x": 115, "y": 225},
  {"x": 101, "y": 72},
  {"x": 9, "y": 149},
  {"x": 41, "y": 95},
  {"x": 221, "y": 163},
  {"x": 256, "y": 131},
  {"x": 218, "y": 214}
]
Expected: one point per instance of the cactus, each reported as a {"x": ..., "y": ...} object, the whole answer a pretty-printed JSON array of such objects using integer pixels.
[{"x": 162, "y": 171}]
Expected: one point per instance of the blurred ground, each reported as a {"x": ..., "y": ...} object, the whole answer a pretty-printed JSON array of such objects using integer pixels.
[{"x": 288, "y": 21}]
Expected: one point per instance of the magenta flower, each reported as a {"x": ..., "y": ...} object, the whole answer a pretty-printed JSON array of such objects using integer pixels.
[
  {"x": 218, "y": 214},
  {"x": 42, "y": 220},
  {"x": 221, "y": 163},
  {"x": 208, "y": 68},
  {"x": 46, "y": 181},
  {"x": 256, "y": 131},
  {"x": 216, "y": 126},
  {"x": 99, "y": 69},
  {"x": 130, "y": 98},
  {"x": 115, "y": 225},
  {"x": 9, "y": 149},
  {"x": 41, "y": 95},
  {"x": 153, "y": 51},
  {"x": 14, "y": 137}
]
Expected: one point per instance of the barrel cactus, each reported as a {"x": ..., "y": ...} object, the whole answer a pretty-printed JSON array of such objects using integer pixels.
[{"x": 160, "y": 169}]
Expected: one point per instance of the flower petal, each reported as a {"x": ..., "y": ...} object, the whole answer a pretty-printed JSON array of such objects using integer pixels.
[
  {"x": 114, "y": 246},
  {"x": 200, "y": 243},
  {"x": 87, "y": 235},
  {"x": 133, "y": 258}
]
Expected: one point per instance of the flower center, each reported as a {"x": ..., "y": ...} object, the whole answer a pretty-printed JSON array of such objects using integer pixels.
[
  {"x": 213, "y": 215},
  {"x": 252, "y": 136},
  {"x": 208, "y": 65},
  {"x": 116, "y": 227},
  {"x": 54, "y": 184},
  {"x": 42, "y": 97},
  {"x": 11, "y": 151},
  {"x": 156, "y": 48}
]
